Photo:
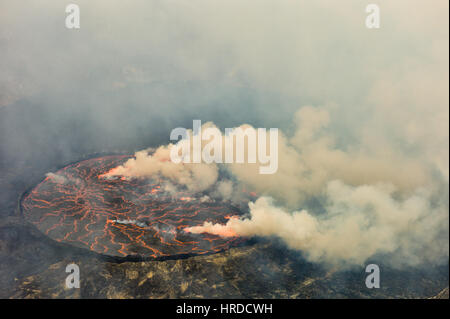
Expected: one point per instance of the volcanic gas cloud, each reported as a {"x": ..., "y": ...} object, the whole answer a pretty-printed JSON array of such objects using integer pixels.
[{"x": 339, "y": 206}]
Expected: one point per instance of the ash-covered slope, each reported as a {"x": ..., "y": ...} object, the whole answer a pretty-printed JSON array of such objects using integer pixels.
[{"x": 33, "y": 267}]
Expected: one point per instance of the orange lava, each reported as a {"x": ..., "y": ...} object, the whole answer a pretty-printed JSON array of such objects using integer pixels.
[{"x": 125, "y": 216}]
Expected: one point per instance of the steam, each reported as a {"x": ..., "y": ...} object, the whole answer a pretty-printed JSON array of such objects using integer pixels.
[
  {"x": 130, "y": 222},
  {"x": 361, "y": 222},
  {"x": 377, "y": 200},
  {"x": 196, "y": 177},
  {"x": 59, "y": 179},
  {"x": 311, "y": 158}
]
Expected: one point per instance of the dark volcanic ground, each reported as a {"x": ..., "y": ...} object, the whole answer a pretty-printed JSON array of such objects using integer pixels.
[{"x": 33, "y": 266}]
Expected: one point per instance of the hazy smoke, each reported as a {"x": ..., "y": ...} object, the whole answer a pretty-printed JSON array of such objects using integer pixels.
[
  {"x": 360, "y": 223},
  {"x": 378, "y": 200},
  {"x": 363, "y": 165},
  {"x": 59, "y": 179},
  {"x": 196, "y": 177},
  {"x": 311, "y": 158},
  {"x": 130, "y": 221}
]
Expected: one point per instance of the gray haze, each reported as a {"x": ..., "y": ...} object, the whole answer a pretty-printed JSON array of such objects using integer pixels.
[{"x": 358, "y": 107}]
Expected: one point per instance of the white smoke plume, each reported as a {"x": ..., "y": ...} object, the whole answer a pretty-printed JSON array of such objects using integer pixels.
[
  {"x": 361, "y": 222},
  {"x": 378, "y": 200},
  {"x": 311, "y": 158},
  {"x": 196, "y": 177},
  {"x": 58, "y": 179}
]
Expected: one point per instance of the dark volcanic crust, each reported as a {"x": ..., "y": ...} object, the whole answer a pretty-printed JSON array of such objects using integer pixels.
[{"x": 121, "y": 217}]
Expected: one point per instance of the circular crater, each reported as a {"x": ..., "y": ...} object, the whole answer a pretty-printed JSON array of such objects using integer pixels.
[{"x": 123, "y": 217}]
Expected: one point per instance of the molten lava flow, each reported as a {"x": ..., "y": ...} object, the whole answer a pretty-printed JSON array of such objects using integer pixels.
[{"x": 124, "y": 216}]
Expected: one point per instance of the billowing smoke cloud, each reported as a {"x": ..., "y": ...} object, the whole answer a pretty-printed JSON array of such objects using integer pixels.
[
  {"x": 377, "y": 200},
  {"x": 361, "y": 222},
  {"x": 311, "y": 158},
  {"x": 196, "y": 177}
]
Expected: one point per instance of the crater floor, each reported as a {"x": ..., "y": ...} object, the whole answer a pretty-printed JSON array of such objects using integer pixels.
[{"x": 121, "y": 216}]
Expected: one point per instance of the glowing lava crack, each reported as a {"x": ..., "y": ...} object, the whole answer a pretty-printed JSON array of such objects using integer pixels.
[{"x": 122, "y": 217}]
